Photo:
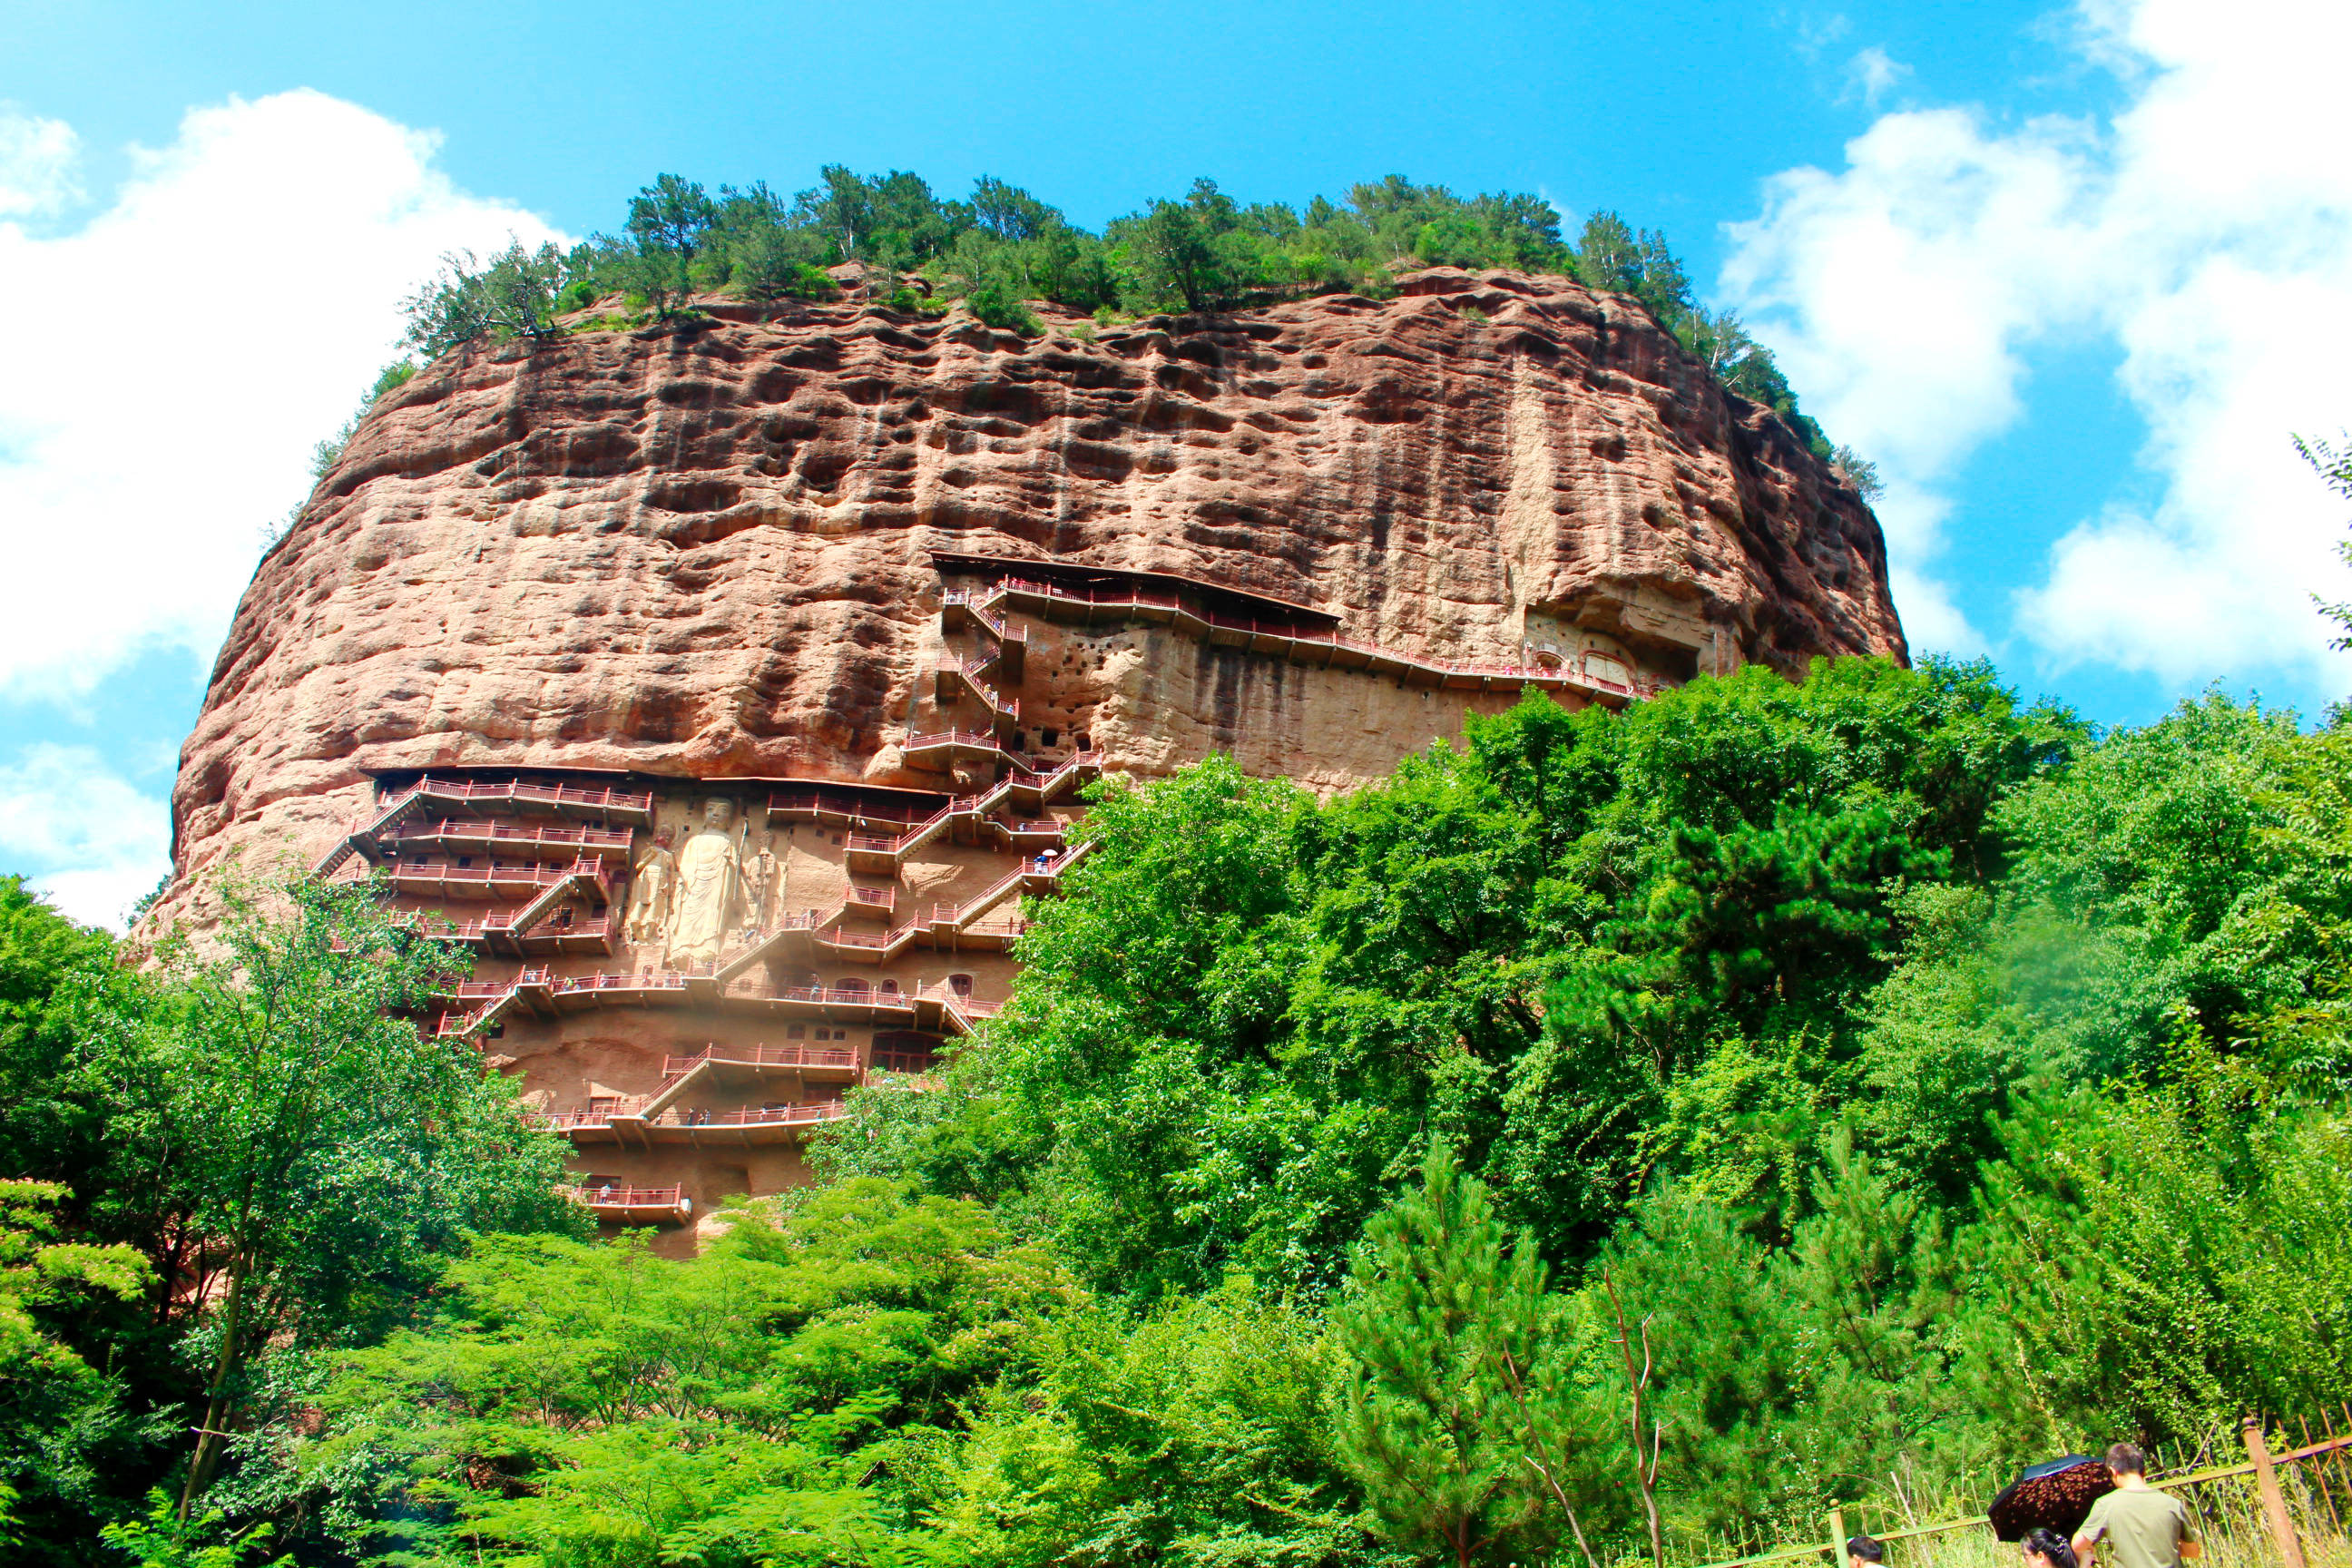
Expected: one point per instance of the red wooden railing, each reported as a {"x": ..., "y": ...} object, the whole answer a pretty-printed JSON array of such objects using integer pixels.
[
  {"x": 761, "y": 1056},
  {"x": 1303, "y": 638},
  {"x": 978, "y": 805},
  {"x": 754, "y": 1115},
  {"x": 508, "y": 833},
  {"x": 604, "y": 979},
  {"x": 976, "y": 738},
  {"x": 618, "y": 1197}
]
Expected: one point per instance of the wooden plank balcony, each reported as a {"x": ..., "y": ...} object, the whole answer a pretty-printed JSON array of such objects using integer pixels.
[
  {"x": 863, "y": 946},
  {"x": 559, "y": 937},
  {"x": 756, "y": 1116},
  {"x": 947, "y": 747},
  {"x": 596, "y": 1117},
  {"x": 563, "y": 800},
  {"x": 450, "y": 836},
  {"x": 755, "y": 1059},
  {"x": 872, "y": 852},
  {"x": 617, "y": 1204},
  {"x": 574, "y": 993},
  {"x": 1301, "y": 644},
  {"x": 530, "y": 879},
  {"x": 640, "y": 1125},
  {"x": 367, "y": 836},
  {"x": 871, "y": 903},
  {"x": 746, "y": 1126},
  {"x": 840, "y": 809}
]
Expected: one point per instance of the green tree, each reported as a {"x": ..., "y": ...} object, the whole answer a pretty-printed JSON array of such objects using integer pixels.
[
  {"x": 1169, "y": 967},
  {"x": 2334, "y": 466},
  {"x": 669, "y": 224},
  {"x": 512, "y": 296},
  {"x": 1860, "y": 472},
  {"x": 997, "y": 307},
  {"x": 1457, "y": 1419},
  {"x": 1171, "y": 251},
  {"x": 2155, "y": 1260},
  {"x": 162, "y": 1539},
  {"x": 326, "y": 1149},
  {"x": 46, "y": 1389},
  {"x": 1010, "y": 213},
  {"x": 567, "y": 1402},
  {"x": 46, "y": 963},
  {"x": 1581, "y": 947},
  {"x": 1194, "y": 1432}
]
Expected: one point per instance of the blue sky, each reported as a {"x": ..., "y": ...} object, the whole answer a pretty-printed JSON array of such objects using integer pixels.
[{"x": 2069, "y": 274}]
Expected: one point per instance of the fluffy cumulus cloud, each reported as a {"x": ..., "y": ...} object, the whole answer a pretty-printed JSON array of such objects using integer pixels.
[
  {"x": 2204, "y": 232},
  {"x": 201, "y": 332},
  {"x": 86, "y": 839},
  {"x": 195, "y": 335}
]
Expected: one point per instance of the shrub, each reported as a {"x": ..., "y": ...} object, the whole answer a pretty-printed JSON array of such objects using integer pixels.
[{"x": 998, "y": 308}]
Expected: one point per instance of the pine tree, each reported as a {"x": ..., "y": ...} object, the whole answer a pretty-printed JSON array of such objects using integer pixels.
[{"x": 1455, "y": 1422}]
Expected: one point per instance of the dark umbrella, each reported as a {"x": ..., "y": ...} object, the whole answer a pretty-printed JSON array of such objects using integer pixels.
[{"x": 2057, "y": 1494}]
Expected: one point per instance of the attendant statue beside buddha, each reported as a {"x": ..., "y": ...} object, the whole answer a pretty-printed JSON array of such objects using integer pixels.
[{"x": 656, "y": 874}]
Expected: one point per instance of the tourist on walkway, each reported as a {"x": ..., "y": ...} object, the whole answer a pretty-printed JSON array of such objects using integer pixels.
[
  {"x": 2141, "y": 1527},
  {"x": 2045, "y": 1548},
  {"x": 1862, "y": 1551}
]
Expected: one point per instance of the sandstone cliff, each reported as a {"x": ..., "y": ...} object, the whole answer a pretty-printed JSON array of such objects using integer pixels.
[{"x": 705, "y": 549}]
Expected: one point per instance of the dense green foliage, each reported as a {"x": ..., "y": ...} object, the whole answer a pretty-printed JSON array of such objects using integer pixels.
[
  {"x": 1940, "y": 1082},
  {"x": 239, "y": 1160},
  {"x": 1585, "y": 947},
  {"x": 1616, "y": 1134},
  {"x": 1202, "y": 252}
]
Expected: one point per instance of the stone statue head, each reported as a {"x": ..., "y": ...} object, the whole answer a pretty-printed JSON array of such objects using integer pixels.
[{"x": 717, "y": 811}]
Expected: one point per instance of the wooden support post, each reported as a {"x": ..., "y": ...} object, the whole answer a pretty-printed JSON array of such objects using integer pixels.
[
  {"x": 2317, "y": 1480},
  {"x": 1837, "y": 1537},
  {"x": 2273, "y": 1501}
]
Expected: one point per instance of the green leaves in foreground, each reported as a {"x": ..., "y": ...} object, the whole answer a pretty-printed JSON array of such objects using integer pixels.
[{"x": 593, "y": 1402}]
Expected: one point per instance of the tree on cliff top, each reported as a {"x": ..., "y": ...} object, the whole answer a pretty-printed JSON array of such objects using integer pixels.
[
  {"x": 512, "y": 295},
  {"x": 1204, "y": 252}
]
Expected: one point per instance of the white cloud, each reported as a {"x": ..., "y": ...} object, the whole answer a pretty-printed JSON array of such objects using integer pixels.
[
  {"x": 83, "y": 837},
  {"x": 36, "y": 162},
  {"x": 195, "y": 339},
  {"x": 1874, "y": 73},
  {"x": 2204, "y": 232}
]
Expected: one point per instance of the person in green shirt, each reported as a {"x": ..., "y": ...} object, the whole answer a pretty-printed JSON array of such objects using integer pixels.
[{"x": 2139, "y": 1526}]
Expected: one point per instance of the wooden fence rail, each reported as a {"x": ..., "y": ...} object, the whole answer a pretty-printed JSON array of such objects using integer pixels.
[{"x": 2317, "y": 1497}]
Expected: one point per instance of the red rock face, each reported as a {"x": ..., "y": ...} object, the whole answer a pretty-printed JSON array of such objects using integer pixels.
[{"x": 707, "y": 551}]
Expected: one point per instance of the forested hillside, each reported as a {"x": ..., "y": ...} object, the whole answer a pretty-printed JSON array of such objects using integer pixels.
[
  {"x": 1928, "y": 1080},
  {"x": 1004, "y": 248}
]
